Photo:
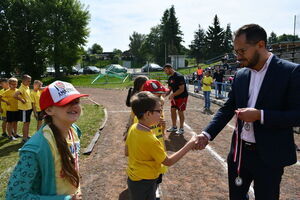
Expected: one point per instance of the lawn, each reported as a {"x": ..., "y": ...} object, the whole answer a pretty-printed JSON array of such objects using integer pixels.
[{"x": 89, "y": 123}]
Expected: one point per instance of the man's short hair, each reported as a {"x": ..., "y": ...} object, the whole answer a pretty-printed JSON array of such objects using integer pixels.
[
  {"x": 143, "y": 102},
  {"x": 168, "y": 65},
  {"x": 253, "y": 32}
]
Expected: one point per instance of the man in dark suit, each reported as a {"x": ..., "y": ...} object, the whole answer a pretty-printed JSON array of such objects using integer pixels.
[{"x": 265, "y": 97}]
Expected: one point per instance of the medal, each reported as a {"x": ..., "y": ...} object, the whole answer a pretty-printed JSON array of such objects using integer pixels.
[
  {"x": 247, "y": 126},
  {"x": 238, "y": 181}
]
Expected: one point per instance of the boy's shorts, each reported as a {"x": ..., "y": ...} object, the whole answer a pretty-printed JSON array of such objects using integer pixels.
[
  {"x": 179, "y": 104},
  {"x": 143, "y": 189},
  {"x": 24, "y": 115},
  {"x": 12, "y": 116},
  {"x": 39, "y": 116}
]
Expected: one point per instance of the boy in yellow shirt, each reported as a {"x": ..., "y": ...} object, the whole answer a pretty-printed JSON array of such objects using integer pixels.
[
  {"x": 24, "y": 105},
  {"x": 35, "y": 96},
  {"x": 12, "y": 113},
  {"x": 207, "y": 81},
  {"x": 145, "y": 152},
  {"x": 5, "y": 86}
]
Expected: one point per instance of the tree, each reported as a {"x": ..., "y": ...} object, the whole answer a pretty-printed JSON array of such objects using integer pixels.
[
  {"x": 171, "y": 33},
  {"x": 5, "y": 39},
  {"x": 198, "y": 45},
  {"x": 153, "y": 46},
  {"x": 215, "y": 39},
  {"x": 135, "y": 46},
  {"x": 228, "y": 43},
  {"x": 287, "y": 38},
  {"x": 27, "y": 36},
  {"x": 96, "y": 49},
  {"x": 66, "y": 22},
  {"x": 273, "y": 38}
]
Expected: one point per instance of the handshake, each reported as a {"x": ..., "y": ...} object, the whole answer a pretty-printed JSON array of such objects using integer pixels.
[{"x": 198, "y": 142}]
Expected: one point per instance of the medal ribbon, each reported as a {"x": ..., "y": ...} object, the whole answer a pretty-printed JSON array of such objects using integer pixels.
[
  {"x": 236, "y": 145},
  {"x": 146, "y": 127},
  {"x": 75, "y": 150}
]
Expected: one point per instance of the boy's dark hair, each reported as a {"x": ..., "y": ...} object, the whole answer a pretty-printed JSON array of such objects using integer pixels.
[
  {"x": 143, "y": 102},
  {"x": 137, "y": 84},
  {"x": 4, "y": 80},
  {"x": 253, "y": 32},
  {"x": 168, "y": 65}
]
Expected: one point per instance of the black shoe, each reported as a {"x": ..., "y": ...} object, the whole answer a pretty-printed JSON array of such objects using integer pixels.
[
  {"x": 17, "y": 135},
  {"x": 4, "y": 135},
  {"x": 24, "y": 140}
]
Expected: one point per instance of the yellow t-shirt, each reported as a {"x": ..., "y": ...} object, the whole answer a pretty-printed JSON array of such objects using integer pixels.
[
  {"x": 8, "y": 95},
  {"x": 157, "y": 130},
  {"x": 3, "y": 105},
  {"x": 63, "y": 186},
  {"x": 207, "y": 80},
  {"x": 35, "y": 96},
  {"x": 145, "y": 154},
  {"x": 25, "y": 94}
]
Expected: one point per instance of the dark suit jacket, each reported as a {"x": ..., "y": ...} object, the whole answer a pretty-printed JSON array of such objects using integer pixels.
[{"x": 279, "y": 97}]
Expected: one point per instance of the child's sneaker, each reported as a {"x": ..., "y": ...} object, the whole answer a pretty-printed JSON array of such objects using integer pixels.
[
  {"x": 17, "y": 136},
  {"x": 180, "y": 131},
  {"x": 172, "y": 129},
  {"x": 4, "y": 135},
  {"x": 12, "y": 138}
]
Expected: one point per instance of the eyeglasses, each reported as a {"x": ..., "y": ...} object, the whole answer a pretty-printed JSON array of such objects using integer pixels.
[
  {"x": 158, "y": 111},
  {"x": 241, "y": 52}
]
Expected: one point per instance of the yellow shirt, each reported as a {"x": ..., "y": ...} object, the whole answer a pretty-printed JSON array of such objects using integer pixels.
[
  {"x": 8, "y": 95},
  {"x": 63, "y": 186},
  {"x": 35, "y": 96},
  {"x": 145, "y": 154},
  {"x": 207, "y": 80},
  {"x": 157, "y": 130},
  {"x": 3, "y": 105},
  {"x": 25, "y": 94}
]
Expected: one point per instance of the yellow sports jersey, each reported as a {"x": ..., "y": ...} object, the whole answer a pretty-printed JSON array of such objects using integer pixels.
[
  {"x": 158, "y": 131},
  {"x": 207, "y": 80},
  {"x": 145, "y": 154},
  {"x": 3, "y": 105},
  {"x": 63, "y": 186},
  {"x": 8, "y": 95},
  {"x": 35, "y": 96},
  {"x": 25, "y": 94}
]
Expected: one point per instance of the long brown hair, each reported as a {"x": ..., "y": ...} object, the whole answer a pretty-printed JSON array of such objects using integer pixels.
[{"x": 67, "y": 159}]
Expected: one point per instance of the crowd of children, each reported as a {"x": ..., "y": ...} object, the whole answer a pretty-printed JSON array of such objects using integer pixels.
[{"x": 17, "y": 105}]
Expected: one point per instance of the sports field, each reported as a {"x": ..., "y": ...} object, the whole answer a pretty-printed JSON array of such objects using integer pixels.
[{"x": 199, "y": 175}]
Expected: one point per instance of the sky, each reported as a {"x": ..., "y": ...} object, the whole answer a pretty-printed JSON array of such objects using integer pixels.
[{"x": 113, "y": 21}]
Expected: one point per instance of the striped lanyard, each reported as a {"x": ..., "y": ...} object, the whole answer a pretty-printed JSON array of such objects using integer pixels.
[
  {"x": 75, "y": 151},
  {"x": 238, "y": 180}
]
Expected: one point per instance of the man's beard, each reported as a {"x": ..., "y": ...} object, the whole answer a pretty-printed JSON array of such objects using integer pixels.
[{"x": 253, "y": 61}]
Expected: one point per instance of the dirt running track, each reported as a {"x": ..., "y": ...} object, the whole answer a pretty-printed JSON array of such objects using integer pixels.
[{"x": 198, "y": 176}]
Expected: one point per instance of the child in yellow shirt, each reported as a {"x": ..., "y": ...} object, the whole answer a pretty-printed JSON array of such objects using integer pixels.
[
  {"x": 145, "y": 152},
  {"x": 24, "y": 105},
  {"x": 12, "y": 114},
  {"x": 5, "y": 86},
  {"x": 35, "y": 96},
  {"x": 207, "y": 81}
]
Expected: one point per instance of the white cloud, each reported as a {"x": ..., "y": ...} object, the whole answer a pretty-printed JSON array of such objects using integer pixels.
[{"x": 113, "y": 21}]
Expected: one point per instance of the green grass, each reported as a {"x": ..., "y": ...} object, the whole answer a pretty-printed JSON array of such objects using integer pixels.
[
  {"x": 89, "y": 123},
  {"x": 86, "y": 80}
]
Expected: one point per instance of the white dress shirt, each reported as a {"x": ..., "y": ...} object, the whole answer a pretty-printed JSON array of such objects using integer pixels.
[{"x": 256, "y": 80}]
